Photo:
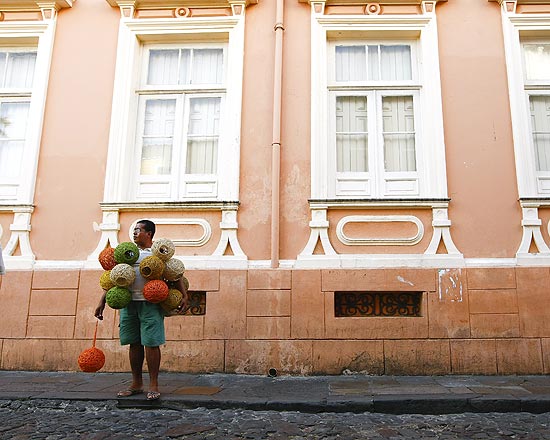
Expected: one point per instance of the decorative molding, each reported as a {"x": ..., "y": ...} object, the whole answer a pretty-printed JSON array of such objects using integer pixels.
[
  {"x": 319, "y": 231},
  {"x": 441, "y": 231},
  {"x": 20, "y": 237},
  {"x": 355, "y": 2},
  {"x": 172, "y": 4},
  {"x": 373, "y": 9},
  {"x": 35, "y": 5},
  {"x": 110, "y": 228},
  {"x": 531, "y": 224},
  {"x": 392, "y": 241},
  {"x": 430, "y": 258},
  {"x": 181, "y": 242}
]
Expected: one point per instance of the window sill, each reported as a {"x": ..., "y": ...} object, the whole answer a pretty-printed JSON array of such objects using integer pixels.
[
  {"x": 169, "y": 206},
  {"x": 379, "y": 203}
]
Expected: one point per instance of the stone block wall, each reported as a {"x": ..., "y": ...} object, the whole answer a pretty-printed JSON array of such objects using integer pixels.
[{"x": 472, "y": 321}]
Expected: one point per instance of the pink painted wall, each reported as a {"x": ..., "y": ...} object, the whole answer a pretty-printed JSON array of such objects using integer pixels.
[
  {"x": 73, "y": 152},
  {"x": 481, "y": 174}
]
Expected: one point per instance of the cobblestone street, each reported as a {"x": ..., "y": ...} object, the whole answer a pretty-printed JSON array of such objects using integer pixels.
[{"x": 49, "y": 419}]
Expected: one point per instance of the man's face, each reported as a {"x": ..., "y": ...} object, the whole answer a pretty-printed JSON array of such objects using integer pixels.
[{"x": 140, "y": 234}]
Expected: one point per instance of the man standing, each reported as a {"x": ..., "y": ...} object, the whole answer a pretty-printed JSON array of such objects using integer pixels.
[{"x": 142, "y": 322}]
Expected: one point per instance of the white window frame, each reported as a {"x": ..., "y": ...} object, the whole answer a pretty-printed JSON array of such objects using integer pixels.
[
  {"x": 425, "y": 88},
  {"x": 135, "y": 36},
  {"x": 178, "y": 184},
  {"x": 517, "y": 29},
  {"x": 37, "y": 37},
  {"x": 376, "y": 182}
]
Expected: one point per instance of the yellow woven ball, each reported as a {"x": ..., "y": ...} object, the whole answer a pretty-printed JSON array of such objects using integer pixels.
[
  {"x": 91, "y": 360},
  {"x": 163, "y": 248},
  {"x": 107, "y": 258},
  {"x": 172, "y": 300},
  {"x": 105, "y": 280},
  {"x": 151, "y": 268},
  {"x": 123, "y": 275},
  {"x": 155, "y": 291},
  {"x": 174, "y": 270}
]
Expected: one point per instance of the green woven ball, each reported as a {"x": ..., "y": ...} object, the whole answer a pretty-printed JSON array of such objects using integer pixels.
[
  {"x": 118, "y": 297},
  {"x": 163, "y": 248},
  {"x": 127, "y": 253},
  {"x": 172, "y": 300},
  {"x": 123, "y": 275},
  {"x": 174, "y": 270},
  {"x": 151, "y": 268},
  {"x": 105, "y": 280}
]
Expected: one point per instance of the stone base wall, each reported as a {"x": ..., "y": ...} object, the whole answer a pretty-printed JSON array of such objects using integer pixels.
[{"x": 472, "y": 321}]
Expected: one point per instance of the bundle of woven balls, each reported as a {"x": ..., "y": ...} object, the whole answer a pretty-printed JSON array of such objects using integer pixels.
[
  {"x": 158, "y": 269},
  {"x": 119, "y": 273}
]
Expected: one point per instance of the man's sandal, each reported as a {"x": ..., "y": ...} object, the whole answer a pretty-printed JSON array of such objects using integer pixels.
[
  {"x": 129, "y": 392},
  {"x": 153, "y": 395}
]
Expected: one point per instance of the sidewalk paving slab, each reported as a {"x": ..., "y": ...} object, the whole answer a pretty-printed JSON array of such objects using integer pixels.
[{"x": 346, "y": 393}]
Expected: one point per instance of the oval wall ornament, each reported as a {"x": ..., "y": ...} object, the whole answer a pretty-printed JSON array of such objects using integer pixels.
[
  {"x": 200, "y": 241},
  {"x": 361, "y": 241}
]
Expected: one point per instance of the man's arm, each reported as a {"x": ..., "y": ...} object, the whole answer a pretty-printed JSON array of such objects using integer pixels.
[
  {"x": 98, "y": 313},
  {"x": 180, "y": 285}
]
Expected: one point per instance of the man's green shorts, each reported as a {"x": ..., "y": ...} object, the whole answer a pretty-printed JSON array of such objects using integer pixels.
[{"x": 142, "y": 322}]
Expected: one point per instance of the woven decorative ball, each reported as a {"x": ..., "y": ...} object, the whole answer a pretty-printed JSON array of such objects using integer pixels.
[
  {"x": 155, "y": 291},
  {"x": 151, "y": 268},
  {"x": 126, "y": 252},
  {"x": 163, "y": 248},
  {"x": 174, "y": 270},
  {"x": 107, "y": 258},
  {"x": 123, "y": 275},
  {"x": 118, "y": 297},
  {"x": 185, "y": 282},
  {"x": 91, "y": 360},
  {"x": 105, "y": 280},
  {"x": 172, "y": 300}
]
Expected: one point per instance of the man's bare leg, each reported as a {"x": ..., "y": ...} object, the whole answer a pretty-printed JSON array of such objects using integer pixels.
[
  {"x": 136, "y": 364},
  {"x": 152, "y": 355}
]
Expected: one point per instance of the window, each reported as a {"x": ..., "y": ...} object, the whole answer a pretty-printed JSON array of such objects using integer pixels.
[
  {"x": 536, "y": 58},
  {"x": 373, "y": 95},
  {"x": 16, "y": 81},
  {"x": 176, "y": 114},
  {"x": 180, "y": 111},
  {"x": 376, "y": 112}
]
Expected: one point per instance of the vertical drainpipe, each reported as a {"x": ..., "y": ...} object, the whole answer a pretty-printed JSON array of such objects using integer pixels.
[{"x": 276, "y": 138}]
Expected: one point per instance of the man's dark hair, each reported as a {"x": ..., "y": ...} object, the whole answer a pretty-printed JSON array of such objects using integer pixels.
[{"x": 149, "y": 226}]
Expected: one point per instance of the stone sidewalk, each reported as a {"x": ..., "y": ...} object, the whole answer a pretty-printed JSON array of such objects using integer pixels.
[{"x": 353, "y": 393}]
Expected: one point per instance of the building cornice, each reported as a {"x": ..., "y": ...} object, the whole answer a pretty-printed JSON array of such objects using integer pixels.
[
  {"x": 164, "y": 4},
  {"x": 34, "y": 5}
]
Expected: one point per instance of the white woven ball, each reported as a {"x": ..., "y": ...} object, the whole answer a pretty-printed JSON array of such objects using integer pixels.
[
  {"x": 123, "y": 275},
  {"x": 174, "y": 270},
  {"x": 163, "y": 248}
]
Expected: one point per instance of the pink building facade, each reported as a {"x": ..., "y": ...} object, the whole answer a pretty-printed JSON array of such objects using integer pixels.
[{"x": 352, "y": 186}]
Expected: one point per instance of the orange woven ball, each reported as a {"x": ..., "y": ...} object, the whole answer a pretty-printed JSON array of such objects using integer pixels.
[
  {"x": 107, "y": 258},
  {"x": 155, "y": 291},
  {"x": 91, "y": 360}
]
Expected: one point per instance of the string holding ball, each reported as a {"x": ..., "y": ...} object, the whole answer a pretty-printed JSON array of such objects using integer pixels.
[
  {"x": 123, "y": 275},
  {"x": 151, "y": 268},
  {"x": 107, "y": 258},
  {"x": 163, "y": 248},
  {"x": 174, "y": 269},
  {"x": 118, "y": 297},
  {"x": 127, "y": 253},
  {"x": 92, "y": 359},
  {"x": 105, "y": 280},
  {"x": 155, "y": 291}
]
